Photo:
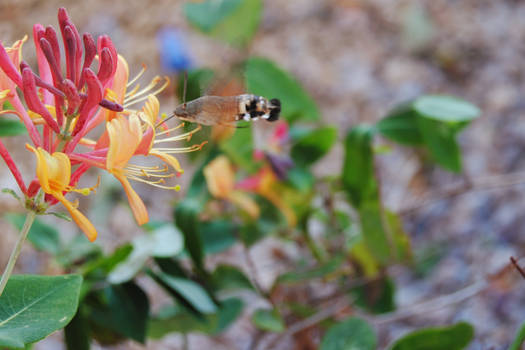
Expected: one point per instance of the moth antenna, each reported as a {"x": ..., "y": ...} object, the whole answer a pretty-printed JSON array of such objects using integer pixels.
[{"x": 185, "y": 89}]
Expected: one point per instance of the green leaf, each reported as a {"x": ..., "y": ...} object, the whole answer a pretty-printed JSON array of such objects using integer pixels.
[
  {"x": 181, "y": 321},
  {"x": 401, "y": 125},
  {"x": 234, "y": 21},
  {"x": 239, "y": 149},
  {"x": 375, "y": 234},
  {"x": 351, "y": 334},
  {"x": 76, "y": 333},
  {"x": 187, "y": 219},
  {"x": 33, "y": 307},
  {"x": 301, "y": 179},
  {"x": 313, "y": 146},
  {"x": 400, "y": 239},
  {"x": 188, "y": 290},
  {"x": 376, "y": 297},
  {"x": 107, "y": 263},
  {"x": 320, "y": 271},
  {"x": 520, "y": 338},
  {"x": 440, "y": 140},
  {"x": 10, "y": 127},
  {"x": 227, "y": 277},
  {"x": 445, "y": 108},
  {"x": 218, "y": 235},
  {"x": 165, "y": 241},
  {"x": 206, "y": 15},
  {"x": 123, "y": 308},
  {"x": 455, "y": 337},
  {"x": 241, "y": 25},
  {"x": 43, "y": 236},
  {"x": 265, "y": 78},
  {"x": 268, "y": 320},
  {"x": 358, "y": 166}
]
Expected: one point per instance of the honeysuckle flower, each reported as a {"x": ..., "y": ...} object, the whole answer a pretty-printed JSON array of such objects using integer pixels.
[
  {"x": 220, "y": 178},
  {"x": 54, "y": 175},
  {"x": 131, "y": 135},
  {"x": 266, "y": 184},
  {"x": 68, "y": 103}
]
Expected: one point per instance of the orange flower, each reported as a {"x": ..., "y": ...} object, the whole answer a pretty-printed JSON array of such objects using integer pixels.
[
  {"x": 54, "y": 174},
  {"x": 220, "y": 179}
]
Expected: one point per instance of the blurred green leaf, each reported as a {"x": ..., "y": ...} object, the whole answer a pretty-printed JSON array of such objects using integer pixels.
[
  {"x": 76, "y": 333},
  {"x": 207, "y": 14},
  {"x": 351, "y": 334},
  {"x": 164, "y": 241},
  {"x": 358, "y": 166},
  {"x": 520, "y": 338},
  {"x": 400, "y": 239},
  {"x": 218, "y": 235},
  {"x": 43, "y": 236},
  {"x": 192, "y": 293},
  {"x": 445, "y": 108},
  {"x": 265, "y": 78},
  {"x": 187, "y": 219},
  {"x": 172, "y": 267},
  {"x": 375, "y": 234},
  {"x": 227, "y": 277},
  {"x": 268, "y": 320},
  {"x": 301, "y": 179},
  {"x": 123, "y": 308},
  {"x": 78, "y": 249},
  {"x": 239, "y": 149},
  {"x": 313, "y": 146},
  {"x": 181, "y": 321},
  {"x": 107, "y": 263},
  {"x": 35, "y": 306},
  {"x": 376, "y": 297},
  {"x": 320, "y": 271},
  {"x": 440, "y": 140},
  {"x": 401, "y": 125},
  {"x": 10, "y": 127},
  {"x": 455, "y": 337},
  {"x": 241, "y": 25}
]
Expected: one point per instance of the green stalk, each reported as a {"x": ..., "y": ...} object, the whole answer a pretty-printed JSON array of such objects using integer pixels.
[{"x": 16, "y": 251}]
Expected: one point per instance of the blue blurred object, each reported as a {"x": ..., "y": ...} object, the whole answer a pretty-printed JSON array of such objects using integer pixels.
[{"x": 174, "y": 57}]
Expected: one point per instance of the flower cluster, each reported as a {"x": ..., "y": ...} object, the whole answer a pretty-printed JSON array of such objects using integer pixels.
[{"x": 63, "y": 106}]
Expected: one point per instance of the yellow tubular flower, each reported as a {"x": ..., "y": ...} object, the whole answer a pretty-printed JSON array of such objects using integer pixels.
[
  {"x": 124, "y": 138},
  {"x": 220, "y": 179},
  {"x": 54, "y": 173}
]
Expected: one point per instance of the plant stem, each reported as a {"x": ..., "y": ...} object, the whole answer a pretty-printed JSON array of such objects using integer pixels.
[{"x": 16, "y": 251}]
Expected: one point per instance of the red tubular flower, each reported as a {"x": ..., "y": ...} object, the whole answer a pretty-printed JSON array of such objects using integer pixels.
[
  {"x": 12, "y": 167},
  {"x": 95, "y": 93},
  {"x": 33, "y": 101}
]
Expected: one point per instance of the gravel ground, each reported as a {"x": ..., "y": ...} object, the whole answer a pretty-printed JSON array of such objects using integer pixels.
[{"x": 358, "y": 58}]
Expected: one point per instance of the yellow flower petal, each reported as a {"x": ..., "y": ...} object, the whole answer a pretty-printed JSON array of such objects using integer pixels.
[
  {"x": 137, "y": 205},
  {"x": 220, "y": 177},
  {"x": 245, "y": 202},
  {"x": 82, "y": 222}
]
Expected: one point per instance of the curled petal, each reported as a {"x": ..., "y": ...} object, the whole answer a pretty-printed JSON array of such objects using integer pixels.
[
  {"x": 137, "y": 205},
  {"x": 82, "y": 222}
]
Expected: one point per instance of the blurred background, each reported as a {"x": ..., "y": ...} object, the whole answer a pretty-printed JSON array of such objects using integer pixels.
[{"x": 357, "y": 59}]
